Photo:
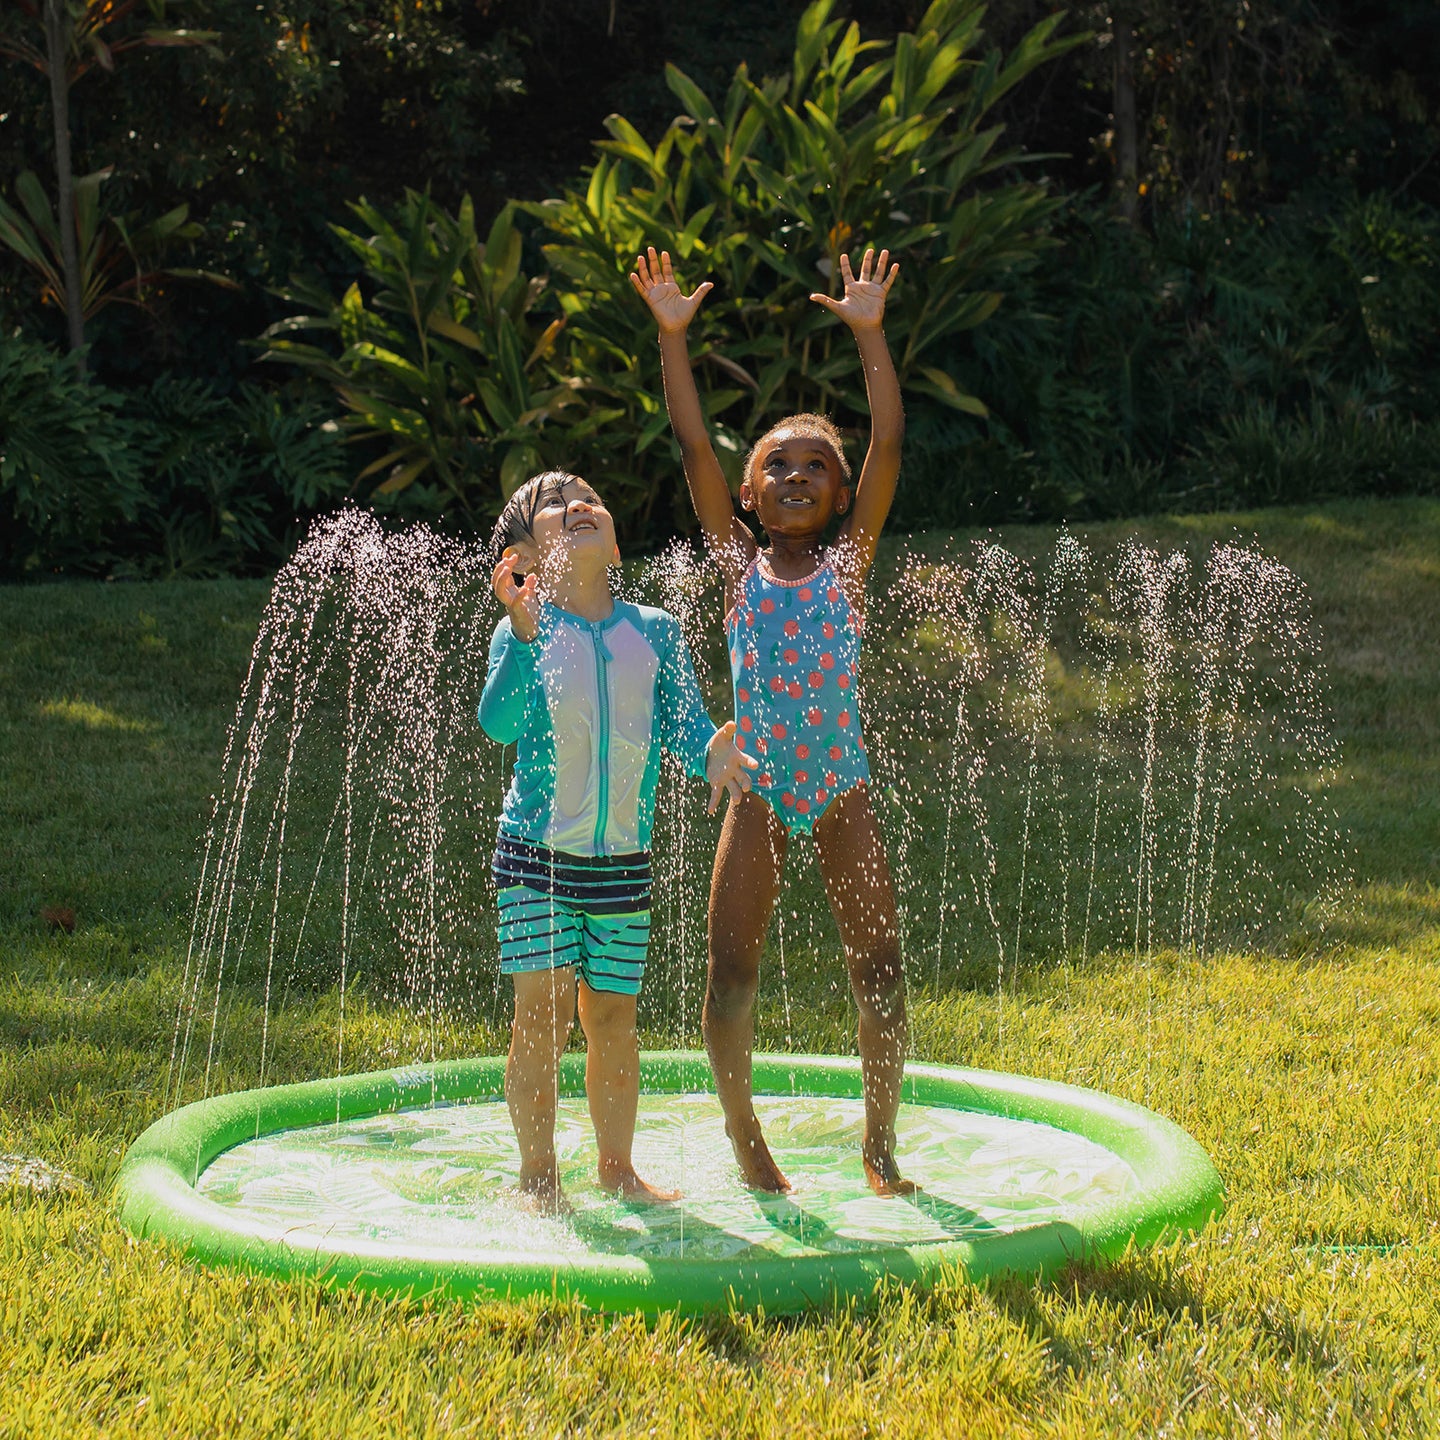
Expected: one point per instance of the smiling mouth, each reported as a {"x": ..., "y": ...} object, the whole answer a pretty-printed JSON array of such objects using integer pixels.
[
  {"x": 583, "y": 525},
  {"x": 797, "y": 500}
]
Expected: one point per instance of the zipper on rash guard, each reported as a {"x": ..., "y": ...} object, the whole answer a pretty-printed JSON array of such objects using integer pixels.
[{"x": 602, "y": 758}]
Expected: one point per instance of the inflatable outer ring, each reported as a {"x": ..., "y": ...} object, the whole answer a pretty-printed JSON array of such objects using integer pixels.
[{"x": 155, "y": 1190}]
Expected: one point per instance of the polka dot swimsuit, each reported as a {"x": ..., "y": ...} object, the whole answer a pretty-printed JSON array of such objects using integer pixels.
[{"x": 794, "y": 657}]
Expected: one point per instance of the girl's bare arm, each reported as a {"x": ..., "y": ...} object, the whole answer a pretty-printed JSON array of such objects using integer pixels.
[
  {"x": 727, "y": 539},
  {"x": 862, "y": 308}
]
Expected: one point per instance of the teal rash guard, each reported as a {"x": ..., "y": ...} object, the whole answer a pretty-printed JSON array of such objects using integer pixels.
[{"x": 589, "y": 706}]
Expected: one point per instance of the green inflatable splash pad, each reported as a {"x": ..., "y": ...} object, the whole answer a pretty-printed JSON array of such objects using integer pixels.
[{"x": 402, "y": 1181}]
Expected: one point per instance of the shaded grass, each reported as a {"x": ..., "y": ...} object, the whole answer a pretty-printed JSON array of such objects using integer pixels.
[{"x": 1308, "y": 1072}]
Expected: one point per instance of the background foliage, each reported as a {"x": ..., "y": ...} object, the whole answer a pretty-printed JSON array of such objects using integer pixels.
[{"x": 1260, "y": 327}]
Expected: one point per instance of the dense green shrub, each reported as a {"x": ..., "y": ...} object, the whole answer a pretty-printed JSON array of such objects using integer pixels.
[
  {"x": 1195, "y": 365},
  {"x": 72, "y": 463},
  {"x": 172, "y": 479}
]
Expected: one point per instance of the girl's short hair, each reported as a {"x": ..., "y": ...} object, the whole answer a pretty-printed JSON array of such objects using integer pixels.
[
  {"x": 517, "y": 519},
  {"x": 818, "y": 427}
]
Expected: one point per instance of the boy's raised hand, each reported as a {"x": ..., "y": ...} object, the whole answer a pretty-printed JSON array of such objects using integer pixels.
[
  {"x": 520, "y": 599},
  {"x": 863, "y": 304},
  {"x": 654, "y": 280},
  {"x": 726, "y": 767}
]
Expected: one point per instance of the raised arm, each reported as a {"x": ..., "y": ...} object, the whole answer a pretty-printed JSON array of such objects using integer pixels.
[
  {"x": 862, "y": 308},
  {"x": 654, "y": 281}
]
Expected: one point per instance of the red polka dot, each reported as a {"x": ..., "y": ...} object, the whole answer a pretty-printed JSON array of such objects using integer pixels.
[
  {"x": 763, "y": 779},
  {"x": 821, "y": 796},
  {"x": 806, "y": 593},
  {"x": 793, "y": 690},
  {"x": 816, "y": 679},
  {"x": 767, "y": 607},
  {"x": 827, "y": 661},
  {"x": 814, "y": 717},
  {"x": 802, "y": 752},
  {"x": 792, "y": 628},
  {"x": 750, "y": 661},
  {"x": 843, "y": 719},
  {"x": 743, "y": 693},
  {"x": 750, "y": 618},
  {"x": 830, "y": 778},
  {"x": 860, "y": 741},
  {"x": 761, "y": 744},
  {"x": 739, "y": 742},
  {"x": 803, "y": 806},
  {"x": 802, "y": 777},
  {"x": 746, "y": 724},
  {"x": 832, "y": 595},
  {"x": 778, "y": 730},
  {"x": 787, "y": 798},
  {"x": 776, "y": 684},
  {"x": 843, "y": 681},
  {"x": 835, "y": 753},
  {"x": 734, "y": 657},
  {"x": 790, "y": 656},
  {"x": 828, "y": 630}
]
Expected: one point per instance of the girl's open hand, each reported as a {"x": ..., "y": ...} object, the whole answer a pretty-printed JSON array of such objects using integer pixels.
[
  {"x": 863, "y": 304},
  {"x": 654, "y": 280},
  {"x": 726, "y": 767},
  {"x": 521, "y": 599}
]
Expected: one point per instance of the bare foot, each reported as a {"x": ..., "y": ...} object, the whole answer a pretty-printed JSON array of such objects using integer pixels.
[
  {"x": 622, "y": 1180},
  {"x": 542, "y": 1195},
  {"x": 757, "y": 1166},
  {"x": 884, "y": 1176}
]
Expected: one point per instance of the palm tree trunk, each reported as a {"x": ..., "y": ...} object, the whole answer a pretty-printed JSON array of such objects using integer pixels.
[
  {"x": 57, "y": 51},
  {"x": 1127, "y": 144}
]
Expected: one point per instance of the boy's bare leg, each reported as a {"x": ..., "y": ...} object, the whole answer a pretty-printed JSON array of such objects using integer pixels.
[
  {"x": 544, "y": 1013},
  {"x": 852, "y": 859},
  {"x": 745, "y": 882},
  {"x": 612, "y": 1086}
]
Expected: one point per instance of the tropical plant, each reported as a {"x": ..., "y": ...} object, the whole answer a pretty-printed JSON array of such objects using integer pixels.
[
  {"x": 862, "y": 143},
  {"x": 75, "y": 37},
  {"x": 443, "y": 364},
  {"x": 117, "y": 256}
]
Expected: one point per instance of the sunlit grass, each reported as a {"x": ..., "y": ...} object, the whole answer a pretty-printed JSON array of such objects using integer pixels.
[{"x": 1309, "y": 1070}]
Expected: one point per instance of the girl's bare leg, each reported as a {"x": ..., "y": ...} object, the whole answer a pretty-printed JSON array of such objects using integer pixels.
[
  {"x": 746, "y": 880},
  {"x": 852, "y": 859},
  {"x": 544, "y": 1013},
  {"x": 612, "y": 1087}
]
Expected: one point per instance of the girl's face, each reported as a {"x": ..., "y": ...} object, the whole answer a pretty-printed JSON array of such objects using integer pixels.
[
  {"x": 795, "y": 484},
  {"x": 572, "y": 526}
]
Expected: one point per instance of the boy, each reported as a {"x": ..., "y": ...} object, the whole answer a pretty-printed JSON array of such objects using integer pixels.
[{"x": 589, "y": 689}]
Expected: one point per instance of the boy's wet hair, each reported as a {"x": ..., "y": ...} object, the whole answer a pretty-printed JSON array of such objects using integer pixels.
[
  {"x": 517, "y": 519},
  {"x": 817, "y": 427}
]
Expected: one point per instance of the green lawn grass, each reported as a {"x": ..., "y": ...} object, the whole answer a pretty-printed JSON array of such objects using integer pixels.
[{"x": 1308, "y": 1069}]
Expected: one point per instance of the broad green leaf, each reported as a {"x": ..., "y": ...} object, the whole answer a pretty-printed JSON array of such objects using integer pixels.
[
  {"x": 404, "y": 476},
  {"x": 943, "y": 387},
  {"x": 690, "y": 95}
]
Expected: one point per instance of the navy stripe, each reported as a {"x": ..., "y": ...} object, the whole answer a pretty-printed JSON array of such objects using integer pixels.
[
  {"x": 538, "y": 879},
  {"x": 603, "y": 884}
]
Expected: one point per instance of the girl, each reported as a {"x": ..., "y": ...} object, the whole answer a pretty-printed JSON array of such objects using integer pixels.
[{"x": 794, "y": 614}]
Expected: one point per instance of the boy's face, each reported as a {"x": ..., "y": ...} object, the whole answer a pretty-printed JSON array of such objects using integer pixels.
[
  {"x": 796, "y": 484},
  {"x": 572, "y": 528}
]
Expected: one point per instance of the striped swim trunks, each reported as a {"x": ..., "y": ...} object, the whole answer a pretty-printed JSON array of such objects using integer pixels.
[{"x": 590, "y": 911}]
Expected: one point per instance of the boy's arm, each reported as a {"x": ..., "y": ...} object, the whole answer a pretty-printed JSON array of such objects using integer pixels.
[
  {"x": 506, "y": 696},
  {"x": 512, "y": 652},
  {"x": 654, "y": 280},
  {"x": 863, "y": 309}
]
